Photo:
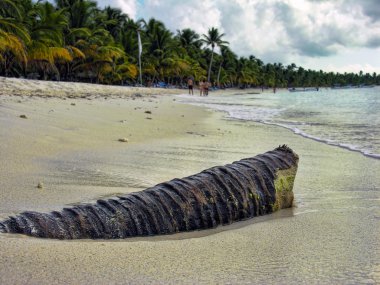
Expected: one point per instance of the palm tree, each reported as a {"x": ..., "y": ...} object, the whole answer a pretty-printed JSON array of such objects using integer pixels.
[
  {"x": 113, "y": 21},
  {"x": 189, "y": 42},
  {"x": 105, "y": 61},
  {"x": 11, "y": 9},
  {"x": 213, "y": 38},
  {"x": 247, "y": 70},
  {"x": 188, "y": 38},
  {"x": 11, "y": 49},
  {"x": 101, "y": 55},
  {"x": 80, "y": 12},
  {"x": 46, "y": 32},
  {"x": 227, "y": 60},
  {"x": 160, "y": 47},
  {"x": 131, "y": 40},
  {"x": 13, "y": 39}
]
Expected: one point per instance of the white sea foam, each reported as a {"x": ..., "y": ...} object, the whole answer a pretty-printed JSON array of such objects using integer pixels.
[{"x": 328, "y": 128}]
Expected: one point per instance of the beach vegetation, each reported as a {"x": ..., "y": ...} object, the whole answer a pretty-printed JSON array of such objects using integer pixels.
[
  {"x": 75, "y": 40},
  {"x": 213, "y": 38}
]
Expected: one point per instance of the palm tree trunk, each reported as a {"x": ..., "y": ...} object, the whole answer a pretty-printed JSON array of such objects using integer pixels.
[
  {"x": 7, "y": 64},
  {"x": 209, "y": 69},
  {"x": 140, "y": 73},
  {"x": 140, "y": 52},
  {"x": 220, "y": 68}
]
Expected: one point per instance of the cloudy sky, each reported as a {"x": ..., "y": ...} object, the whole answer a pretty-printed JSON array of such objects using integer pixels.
[{"x": 333, "y": 35}]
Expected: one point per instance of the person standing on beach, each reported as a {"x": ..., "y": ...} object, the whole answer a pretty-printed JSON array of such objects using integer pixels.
[
  {"x": 190, "y": 85},
  {"x": 201, "y": 88},
  {"x": 206, "y": 87}
]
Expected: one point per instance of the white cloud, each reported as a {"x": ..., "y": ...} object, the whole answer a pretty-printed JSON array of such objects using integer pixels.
[
  {"x": 300, "y": 31},
  {"x": 128, "y": 6},
  {"x": 197, "y": 15},
  {"x": 356, "y": 68},
  {"x": 348, "y": 60}
]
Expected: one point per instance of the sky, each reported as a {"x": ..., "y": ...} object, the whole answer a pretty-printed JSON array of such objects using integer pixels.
[{"x": 332, "y": 35}]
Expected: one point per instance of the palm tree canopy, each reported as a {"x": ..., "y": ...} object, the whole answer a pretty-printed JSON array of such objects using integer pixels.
[
  {"x": 189, "y": 38},
  {"x": 214, "y": 38}
]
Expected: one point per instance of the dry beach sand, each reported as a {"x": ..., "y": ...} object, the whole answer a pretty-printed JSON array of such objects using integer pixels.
[{"x": 71, "y": 146}]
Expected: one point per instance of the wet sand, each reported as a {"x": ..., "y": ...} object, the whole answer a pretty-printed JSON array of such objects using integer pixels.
[{"x": 330, "y": 237}]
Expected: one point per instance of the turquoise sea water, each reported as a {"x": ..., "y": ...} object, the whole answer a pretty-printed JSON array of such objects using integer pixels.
[{"x": 348, "y": 118}]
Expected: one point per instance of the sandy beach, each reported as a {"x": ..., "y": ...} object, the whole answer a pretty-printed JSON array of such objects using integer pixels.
[{"x": 69, "y": 142}]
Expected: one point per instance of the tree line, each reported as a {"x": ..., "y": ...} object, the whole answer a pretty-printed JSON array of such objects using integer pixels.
[{"x": 75, "y": 40}]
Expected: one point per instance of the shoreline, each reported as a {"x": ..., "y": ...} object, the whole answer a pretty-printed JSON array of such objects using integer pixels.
[
  {"x": 295, "y": 130},
  {"x": 76, "y": 152},
  {"x": 310, "y": 137}
]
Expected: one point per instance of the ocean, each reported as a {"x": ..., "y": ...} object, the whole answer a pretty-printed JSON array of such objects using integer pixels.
[{"x": 347, "y": 118}]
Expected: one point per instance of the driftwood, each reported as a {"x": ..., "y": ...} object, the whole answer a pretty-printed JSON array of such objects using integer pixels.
[{"x": 217, "y": 196}]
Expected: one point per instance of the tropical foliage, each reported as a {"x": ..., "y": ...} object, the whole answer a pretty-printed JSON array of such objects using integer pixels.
[{"x": 75, "y": 40}]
